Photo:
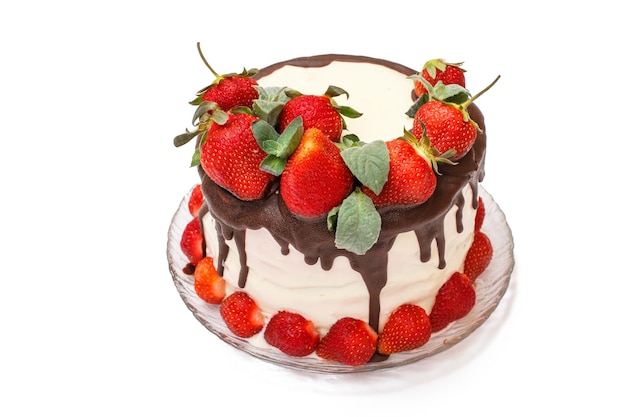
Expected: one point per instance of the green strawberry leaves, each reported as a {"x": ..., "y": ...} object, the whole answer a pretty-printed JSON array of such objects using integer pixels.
[
  {"x": 356, "y": 222},
  {"x": 369, "y": 163},
  {"x": 270, "y": 103},
  {"x": 277, "y": 146}
]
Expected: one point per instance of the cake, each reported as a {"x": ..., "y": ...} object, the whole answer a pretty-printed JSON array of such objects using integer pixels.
[{"x": 325, "y": 262}]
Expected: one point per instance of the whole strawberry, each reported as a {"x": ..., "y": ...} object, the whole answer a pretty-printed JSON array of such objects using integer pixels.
[
  {"x": 446, "y": 127},
  {"x": 437, "y": 70},
  {"x": 318, "y": 111},
  {"x": 231, "y": 157},
  {"x": 407, "y": 328},
  {"x": 228, "y": 91},
  {"x": 445, "y": 117},
  {"x": 192, "y": 241},
  {"x": 411, "y": 179},
  {"x": 208, "y": 284},
  {"x": 454, "y": 300},
  {"x": 293, "y": 334},
  {"x": 478, "y": 256},
  {"x": 349, "y": 341},
  {"x": 242, "y": 315},
  {"x": 315, "y": 178}
]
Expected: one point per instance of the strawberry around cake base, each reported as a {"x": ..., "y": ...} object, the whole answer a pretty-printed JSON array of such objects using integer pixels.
[{"x": 490, "y": 288}]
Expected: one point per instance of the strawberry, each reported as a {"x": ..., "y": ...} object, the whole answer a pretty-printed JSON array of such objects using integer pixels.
[
  {"x": 315, "y": 178},
  {"x": 231, "y": 157},
  {"x": 192, "y": 241},
  {"x": 478, "y": 256},
  {"x": 446, "y": 127},
  {"x": 446, "y": 119},
  {"x": 411, "y": 179},
  {"x": 228, "y": 91},
  {"x": 293, "y": 334},
  {"x": 195, "y": 200},
  {"x": 208, "y": 284},
  {"x": 407, "y": 328},
  {"x": 241, "y": 314},
  {"x": 480, "y": 215},
  {"x": 349, "y": 341},
  {"x": 454, "y": 300},
  {"x": 318, "y": 111},
  {"x": 437, "y": 70}
]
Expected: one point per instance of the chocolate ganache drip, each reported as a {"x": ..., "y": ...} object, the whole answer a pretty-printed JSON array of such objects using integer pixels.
[{"x": 313, "y": 239}]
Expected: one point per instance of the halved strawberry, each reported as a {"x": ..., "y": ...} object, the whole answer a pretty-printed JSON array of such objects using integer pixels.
[
  {"x": 407, "y": 328},
  {"x": 292, "y": 333},
  {"x": 454, "y": 300},
  {"x": 192, "y": 241},
  {"x": 195, "y": 200},
  {"x": 209, "y": 285},
  {"x": 349, "y": 341},
  {"x": 478, "y": 256},
  {"x": 241, "y": 314}
]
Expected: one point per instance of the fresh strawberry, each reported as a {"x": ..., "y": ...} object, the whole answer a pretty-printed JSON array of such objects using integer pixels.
[
  {"x": 349, "y": 341},
  {"x": 209, "y": 285},
  {"x": 437, "y": 70},
  {"x": 446, "y": 127},
  {"x": 231, "y": 157},
  {"x": 241, "y": 314},
  {"x": 318, "y": 111},
  {"x": 411, "y": 179},
  {"x": 315, "y": 178},
  {"x": 192, "y": 241},
  {"x": 292, "y": 334},
  {"x": 454, "y": 300},
  {"x": 229, "y": 91},
  {"x": 480, "y": 215},
  {"x": 195, "y": 200},
  {"x": 407, "y": 328},
  {"x": 478, "y": 256},
  {"x": 446, "y": 119}
]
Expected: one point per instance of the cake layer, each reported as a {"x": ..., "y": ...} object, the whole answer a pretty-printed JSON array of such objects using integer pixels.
[{"x": 285, "y": 263}]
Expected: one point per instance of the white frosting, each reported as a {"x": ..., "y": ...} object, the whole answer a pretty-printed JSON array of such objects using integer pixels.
[
  {"x": 286, "y": 282},
  {"x": 380, "y": 93}
]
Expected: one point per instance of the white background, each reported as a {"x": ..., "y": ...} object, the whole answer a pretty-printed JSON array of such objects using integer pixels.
[{"x": 92, "y": 94}]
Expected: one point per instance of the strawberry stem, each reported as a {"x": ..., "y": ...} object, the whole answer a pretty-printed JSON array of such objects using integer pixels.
[
  {"x": 205, "y": 61},
  {"x": 483, "y": 91}
]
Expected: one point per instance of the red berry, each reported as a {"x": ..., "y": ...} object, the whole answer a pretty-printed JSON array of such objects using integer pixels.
[
  {"x": 349, "y": 341},
  {"x": 293, "y": 334},
  {"x": 192, "y": 241},
  {"x": 478, "y": 256},
  {"x": 480, "y": 215},
  {"x": 209, "y": 285},
  {"x": 316, "y": 111},
  {"x": 195, "y": 200},
  {"x": 241, "y": 314},
  {"x": 437, "y": 70},
  {"x": 454, "y": 300},
  {"x": 407, "y": 328}
]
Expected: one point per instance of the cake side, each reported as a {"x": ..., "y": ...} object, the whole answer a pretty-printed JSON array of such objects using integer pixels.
[
  {"x": 236, "y": 243},
  {"x": 338, "y": 239}
]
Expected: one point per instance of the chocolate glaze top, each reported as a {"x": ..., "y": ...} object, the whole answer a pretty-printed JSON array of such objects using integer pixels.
[{"x": 314, "y": 240}]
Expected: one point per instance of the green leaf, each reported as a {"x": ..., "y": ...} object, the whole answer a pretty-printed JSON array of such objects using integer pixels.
[
  {"x": 369, "y": 164},
  {"x": 331, "y": 220},
  {"x": 270, "y": 103},
  {"x": 290, "y": 138},
  {"x": 195, "y": 159},
  {"x": 183, "y": 138},
  {"x": 263, "y": 132},
  {"x": 273, "y": 164},
  {"x": 423, "y": 99},
  {"x": 445, "y": 92},
  {"x": 358, "y": 224},
  {"x": 349, "y": 112},
  {"x": 334, "y": 91}
]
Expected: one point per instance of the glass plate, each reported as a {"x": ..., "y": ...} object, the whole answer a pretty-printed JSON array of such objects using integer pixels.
[{"x": 490, "y": 288}]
